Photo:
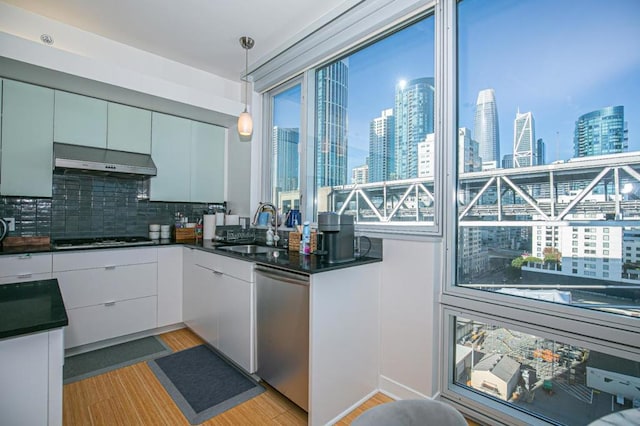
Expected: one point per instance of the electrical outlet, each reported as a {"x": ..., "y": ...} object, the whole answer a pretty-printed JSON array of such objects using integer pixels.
[{"x": 11, "y": 222}]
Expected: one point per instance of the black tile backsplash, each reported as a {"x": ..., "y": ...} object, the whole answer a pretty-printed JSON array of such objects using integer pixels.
[{"x": 93, "y": 206}]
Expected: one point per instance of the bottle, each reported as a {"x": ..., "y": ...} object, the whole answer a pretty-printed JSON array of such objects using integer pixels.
[
  {"x": 305, "y": 243},
  {"x": 269, "y": 236}
]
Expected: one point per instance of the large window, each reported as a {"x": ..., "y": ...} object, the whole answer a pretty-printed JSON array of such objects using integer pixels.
[
  {"x": 285, "y": 147},
  {"x": 372, "y": 147},
  {"x": 374, "y": 130},
  {"x": 548, "y": 208}
]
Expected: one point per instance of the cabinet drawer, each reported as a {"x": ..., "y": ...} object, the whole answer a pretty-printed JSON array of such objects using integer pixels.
[
  {"x": 94, "y": 323},
  {"x": 240, "y": 269},
  {"x": 24, "y": 277},
  {"x": 87, "y": 287},
  {"x": 103, "y": 258},
  {"x": 11, "y": 266}
]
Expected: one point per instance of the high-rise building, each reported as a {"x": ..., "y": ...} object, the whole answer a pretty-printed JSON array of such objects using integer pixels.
[
  {"x": 382, "y": 147},
  {"x": 485, "y": 129},
  {"x": 542, "y": 152},
  {"x": 360, "y": 174},
  {"x": 507, "y": 161},
  {"x": 524, "y": 141},
  {"x": 468, "y": 152},
  {"x": 426, "y": 156},
  {"x": 599, "y": 132},
  {"x": 414, "y": 116},
  {"x": 286, "y": 158},
  {"x": 332, "y": 84},
  {"x": 472, "y": 256}
]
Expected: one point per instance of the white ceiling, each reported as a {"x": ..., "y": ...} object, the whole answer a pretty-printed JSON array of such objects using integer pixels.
[{"x": 201, "y": 33}]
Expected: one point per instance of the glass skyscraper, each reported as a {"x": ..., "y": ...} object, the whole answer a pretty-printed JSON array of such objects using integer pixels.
[
  {"x": 486, "y": 130},
  {"x": 414, "y": 116},
  {"x": 524, "y": 146},
  {"x": 382, "y": 147},
  {"x": 600, "y": 132},
  {"x": 332, "y": 84},
  {"x": 286, "y": 158}
]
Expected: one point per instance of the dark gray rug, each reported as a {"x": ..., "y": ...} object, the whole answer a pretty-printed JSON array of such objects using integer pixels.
[
  {"x": 88, "y": 364},
  {"x": 202, "y": 383}
]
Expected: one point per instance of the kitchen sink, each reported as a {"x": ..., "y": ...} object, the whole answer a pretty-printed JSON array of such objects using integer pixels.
[{"x": 250, "y": 249}]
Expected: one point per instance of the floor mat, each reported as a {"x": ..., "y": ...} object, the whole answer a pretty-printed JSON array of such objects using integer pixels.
[
  {"x": 88, "y": 364},
  {"x": 202, "y": 383}
]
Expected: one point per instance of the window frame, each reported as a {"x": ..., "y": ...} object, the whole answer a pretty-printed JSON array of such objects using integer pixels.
[
  {"x": 620, "y": 334},
  {"x": 409, "y": 230}
]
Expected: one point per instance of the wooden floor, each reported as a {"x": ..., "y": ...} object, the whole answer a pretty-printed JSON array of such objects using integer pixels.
[{"x": 133, "y": 396}]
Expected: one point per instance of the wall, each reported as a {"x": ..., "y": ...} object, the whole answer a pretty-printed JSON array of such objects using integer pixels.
[
  {"x": 92, "y": 206},
  {"x": 409, "y": 318},
  {"x": 89, "y": 56}
]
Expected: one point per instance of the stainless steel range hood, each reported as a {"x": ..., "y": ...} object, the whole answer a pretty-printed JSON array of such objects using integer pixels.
[{"x": 103, "y": 161}]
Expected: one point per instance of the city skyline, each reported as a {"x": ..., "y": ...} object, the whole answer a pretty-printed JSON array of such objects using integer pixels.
[{"x": 550, "y": 81}]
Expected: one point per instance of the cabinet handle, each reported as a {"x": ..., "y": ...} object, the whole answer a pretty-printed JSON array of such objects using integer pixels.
[
  {"x": 109, "y": 303},
  {"x": 110, "y": 267},
  {"x": 218, "y": 272},
  {"x": 21, "y": 276},
  {"x": 25, "y": 256}
]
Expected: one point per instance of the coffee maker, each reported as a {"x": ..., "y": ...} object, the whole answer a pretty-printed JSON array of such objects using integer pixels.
[{"x": 337, "y": 236}]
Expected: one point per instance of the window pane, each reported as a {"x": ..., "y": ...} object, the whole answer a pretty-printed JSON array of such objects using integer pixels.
[
  {"x": 285, "y": 154},
  {"x": 375, "y": 130},
  {"x": 548, "y": 175},
  {"x": 570, "y": 384}
]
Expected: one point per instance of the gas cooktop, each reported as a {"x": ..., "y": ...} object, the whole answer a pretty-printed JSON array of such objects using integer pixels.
[{"x": 76, "y": 243}]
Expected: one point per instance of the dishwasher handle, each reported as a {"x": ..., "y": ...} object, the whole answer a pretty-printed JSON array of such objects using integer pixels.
[{"x": 280, "y": 275}]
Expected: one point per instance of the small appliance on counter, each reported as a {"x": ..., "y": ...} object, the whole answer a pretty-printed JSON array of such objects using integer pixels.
[{"x": 337, "y": 236}]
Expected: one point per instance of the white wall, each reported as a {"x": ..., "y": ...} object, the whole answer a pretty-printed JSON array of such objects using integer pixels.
[
  {"x": 409, "y": 318},
  {"x": 87, "y": 55}
]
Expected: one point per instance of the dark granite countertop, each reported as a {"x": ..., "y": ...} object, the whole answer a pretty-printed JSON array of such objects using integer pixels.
[
  {"x": 31, "y": 306},
  {"x": 288, "y": 260}
]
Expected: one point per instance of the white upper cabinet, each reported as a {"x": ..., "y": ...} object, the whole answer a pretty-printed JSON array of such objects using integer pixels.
[
  {"x": 189, "y": 156},
  {"x": 27, "y": 140},
  {"x": 170, "y": 150},
  {"x": 80, "y": 120},
  {"x": 128, "y": 129},
  {"x": 207, "y": 162}
]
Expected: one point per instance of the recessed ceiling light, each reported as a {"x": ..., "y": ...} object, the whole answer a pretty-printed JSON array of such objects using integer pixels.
[{"x": 46, "y": 39}]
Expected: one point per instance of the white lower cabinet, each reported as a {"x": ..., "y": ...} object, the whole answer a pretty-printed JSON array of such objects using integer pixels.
[
  {"x": 31, "y": 379},
  {"x": 169, "y": 285},
  {"x": 107, "y": 293},
  {"x": 218, "y": 303}
]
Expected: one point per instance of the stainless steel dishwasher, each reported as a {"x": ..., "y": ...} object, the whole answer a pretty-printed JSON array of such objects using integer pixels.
[{"x": 283, "y": 332}]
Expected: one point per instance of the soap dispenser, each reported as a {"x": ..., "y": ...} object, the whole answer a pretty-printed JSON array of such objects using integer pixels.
[{"x": 269, "y": 236}]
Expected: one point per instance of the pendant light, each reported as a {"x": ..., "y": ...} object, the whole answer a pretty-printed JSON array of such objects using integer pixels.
[{"x": 245, "y": 122}]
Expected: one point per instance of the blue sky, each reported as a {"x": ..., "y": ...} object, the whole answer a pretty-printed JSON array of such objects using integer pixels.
[{"x": 557, "y": 59}]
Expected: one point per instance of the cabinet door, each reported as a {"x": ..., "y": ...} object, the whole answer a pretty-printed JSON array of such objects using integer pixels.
[
  {"x": 207, "y": 162},
  {"x": 27, "y": 140},
  {"x": 24, "y": 374},
  {"x": 80, "y": 120},
  {"x": 128, "y": 129},
  {"x": 169, "y": 285},
  {"x": 235, "y": 322},
  {"x": 170, "y": 150}
]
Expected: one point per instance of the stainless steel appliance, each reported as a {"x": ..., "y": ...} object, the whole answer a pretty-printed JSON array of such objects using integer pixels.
[
  {"x": 103, "y": 242},
  {"x": 103, "y": 161},
  {"x": 337, "y": 236},
  {"x": 283, "y": 332}
]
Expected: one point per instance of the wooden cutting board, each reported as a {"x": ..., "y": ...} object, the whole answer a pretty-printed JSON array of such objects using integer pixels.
[{"x": 26, "y": 241}]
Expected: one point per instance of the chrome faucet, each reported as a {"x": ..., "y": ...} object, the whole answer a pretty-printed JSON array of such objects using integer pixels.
[{"x": 265, "y": 207}]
